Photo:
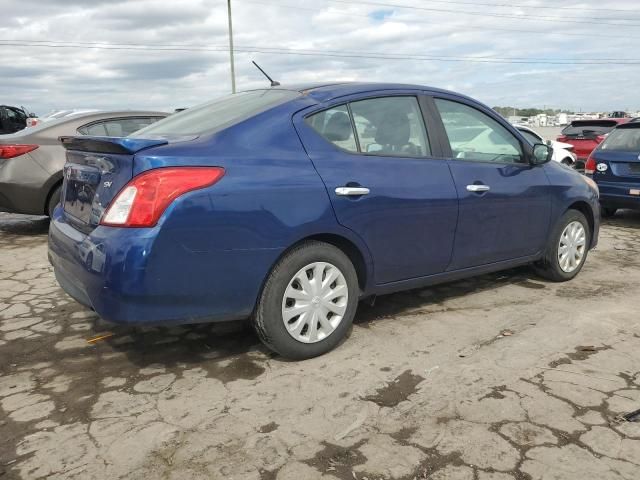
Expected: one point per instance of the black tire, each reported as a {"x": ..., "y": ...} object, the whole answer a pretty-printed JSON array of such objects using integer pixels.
[
  {"x": 268, "y": 317},
  {"x": 54, "y": 200},
  {"x": 549, "y": 267},
  {"x": 608, "y": 212}
]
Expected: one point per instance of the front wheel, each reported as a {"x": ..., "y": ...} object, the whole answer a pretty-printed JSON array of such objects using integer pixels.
[
  {"x": 308, "y": 302},
  {"x": 567, "y": 248}
]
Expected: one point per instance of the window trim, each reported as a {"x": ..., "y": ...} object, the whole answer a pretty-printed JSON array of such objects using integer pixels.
[
  {"x": 449, "y": 151},
  {"x": 347, "y": 103}
]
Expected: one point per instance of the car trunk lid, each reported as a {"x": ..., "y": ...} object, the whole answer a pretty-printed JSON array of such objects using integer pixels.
[
  {"x": 586, "y": 135},
  {"x": 96, "y": 169},
  {"x": 618, "y": 158}
]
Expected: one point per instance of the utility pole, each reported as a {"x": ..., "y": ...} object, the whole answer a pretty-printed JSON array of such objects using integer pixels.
[{"x": 233, "y": 69}]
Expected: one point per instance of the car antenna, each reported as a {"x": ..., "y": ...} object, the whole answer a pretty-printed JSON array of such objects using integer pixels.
[{"x": 273, "y": 82}]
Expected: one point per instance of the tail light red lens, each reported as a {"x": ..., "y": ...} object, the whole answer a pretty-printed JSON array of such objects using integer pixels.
[
  {"x": 12, "y": 151},
  {"x": 590, "y": 166},
  {"x": 144, "y": 199}
]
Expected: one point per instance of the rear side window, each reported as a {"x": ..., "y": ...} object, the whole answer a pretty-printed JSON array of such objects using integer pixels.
[
  {"x": 588, "y": 128},
  {"x": 622, "y": 140},
  {"x": 475, "y": 136},
  {"x": 389, "y": 126},
  {"x": 221, "y": 113},
  {"x": 335, "y": 126}
]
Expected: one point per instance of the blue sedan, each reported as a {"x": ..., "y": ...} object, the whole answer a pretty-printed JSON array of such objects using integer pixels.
[
  {"x": 287, "y": 206},
  {"x": 615, "y": 167}
]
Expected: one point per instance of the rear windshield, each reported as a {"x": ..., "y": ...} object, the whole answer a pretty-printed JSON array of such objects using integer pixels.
[
  {"x": 589, "y": 128},
  {"x": 622, "y": 140},
  {"x": 218, "y": 114}
]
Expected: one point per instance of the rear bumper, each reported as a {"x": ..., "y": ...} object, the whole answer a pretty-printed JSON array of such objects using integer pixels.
[
  {"x": 616, "y": 195},
  {"x": 146, "y": 277}
]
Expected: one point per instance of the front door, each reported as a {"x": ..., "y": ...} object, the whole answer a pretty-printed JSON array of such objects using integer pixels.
[
  {"x": 375, "y": 159},
  {"x": 505, "y": 206}
]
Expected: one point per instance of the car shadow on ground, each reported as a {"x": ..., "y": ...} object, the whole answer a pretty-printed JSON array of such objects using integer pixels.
[
  {"x": 624, "y": 218},
  {"x": 27, "y": 225},
  {"x": 232, "y": 350}
]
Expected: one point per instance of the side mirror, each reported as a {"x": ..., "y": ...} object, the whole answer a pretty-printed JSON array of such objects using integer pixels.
[{"x": 541, "y": 154}]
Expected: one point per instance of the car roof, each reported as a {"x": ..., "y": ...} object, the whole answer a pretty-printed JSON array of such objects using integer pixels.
[{"x": 331, "y": 90}]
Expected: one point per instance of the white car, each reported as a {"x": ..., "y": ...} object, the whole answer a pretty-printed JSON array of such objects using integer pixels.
[
  {"x": 562, "y": 152},
  {"x": 32, "y": 122}
]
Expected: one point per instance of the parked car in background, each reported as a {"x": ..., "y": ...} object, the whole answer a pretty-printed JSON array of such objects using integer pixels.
[
  {"x": 615, "y": 167},
  {"x": 12, "y": 119},
  {"x": 287, "y": 206},
  {"x": 562, "y": 152},
  {"x": 32, "y": 122},
  {"x": 586, "y": 135},
  {"x": 32, "y": 159}
]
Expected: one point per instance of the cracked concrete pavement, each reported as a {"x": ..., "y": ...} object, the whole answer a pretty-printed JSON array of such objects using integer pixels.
[{"x": 494, "y": 378}]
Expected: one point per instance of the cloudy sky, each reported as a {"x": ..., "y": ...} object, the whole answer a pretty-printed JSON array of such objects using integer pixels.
[{"x": 576, "y": 54}]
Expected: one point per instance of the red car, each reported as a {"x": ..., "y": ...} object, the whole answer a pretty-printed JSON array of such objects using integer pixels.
[{"x": 586, "y": 135}]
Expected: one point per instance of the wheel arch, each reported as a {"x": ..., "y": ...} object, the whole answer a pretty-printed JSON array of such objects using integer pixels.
[
  {"x": 584, "y": 208},
  {"x": 54, "y": 182}
]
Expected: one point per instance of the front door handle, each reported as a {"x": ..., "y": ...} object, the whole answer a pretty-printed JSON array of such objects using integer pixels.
[
  {"x": 351, "y": 191},
  {"x": 478, "y": 188}
]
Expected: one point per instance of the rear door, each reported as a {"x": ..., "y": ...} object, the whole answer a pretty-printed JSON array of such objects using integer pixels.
[
  {"x": 505, "y": 205},
  {"x": 385, "y": 184}
]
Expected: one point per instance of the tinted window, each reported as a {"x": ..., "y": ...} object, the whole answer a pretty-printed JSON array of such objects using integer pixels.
[
  {"x": 391, "y": 126},
  {"x": 533, "y": 139},
  {"x": 589, "y": 128},
  {"x": 120, "y": 127},
  {"x": 96, "y": 129},
  {"x": 335, "y": 125},
  {"x": 622, "y": 140},
  {"x": 217, "y": 114},
  {"x": 475, "y": 136}
]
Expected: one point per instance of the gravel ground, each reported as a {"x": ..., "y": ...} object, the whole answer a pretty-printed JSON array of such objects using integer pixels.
[{"x": 500, "y": 377}]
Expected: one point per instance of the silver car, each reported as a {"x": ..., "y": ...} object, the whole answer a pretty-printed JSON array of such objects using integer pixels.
[{"x": 31, "y": 160}]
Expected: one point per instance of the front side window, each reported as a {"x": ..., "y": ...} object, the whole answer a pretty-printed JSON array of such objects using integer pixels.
[
  {"x": 475, "y": 136},
  {"x": 335, "y": 126}
]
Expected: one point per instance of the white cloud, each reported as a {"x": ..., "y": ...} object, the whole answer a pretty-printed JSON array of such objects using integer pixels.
[{"x": 44, "y": 78}]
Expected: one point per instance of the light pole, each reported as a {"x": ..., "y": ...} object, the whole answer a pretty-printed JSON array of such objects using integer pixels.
[{"x": 233, "y": 69}]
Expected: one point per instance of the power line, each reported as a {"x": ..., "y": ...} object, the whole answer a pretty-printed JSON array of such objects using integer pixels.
[
  {"x": 467, "y": 27},
  {"x": 377, "y": 56},
  {"x": 213, "y": 47},
  {"x": 511, "y": 5},
  {"x": 485, "y": 14}
]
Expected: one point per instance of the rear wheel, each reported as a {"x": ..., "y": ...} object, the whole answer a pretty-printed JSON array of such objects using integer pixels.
[
  {"x": 54, "y": 200},
  {"x": 567, "y": 248},
  {"x": 308, "y": 301},
  {"x": 567, "y": 161}
]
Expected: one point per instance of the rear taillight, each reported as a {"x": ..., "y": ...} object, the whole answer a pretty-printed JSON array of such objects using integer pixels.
[
  {"x": 145, "y": 198},
  {"x": 12, "y": 151},
  {"x": 590, "y": 166}
]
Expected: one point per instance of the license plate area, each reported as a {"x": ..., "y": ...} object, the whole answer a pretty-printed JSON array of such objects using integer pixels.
[
  {"x": 80, "y": 189},
  {"x": 634, "y": 191}
]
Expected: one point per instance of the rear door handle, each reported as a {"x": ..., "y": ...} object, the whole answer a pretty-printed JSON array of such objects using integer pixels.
[
  {"x": 351, "y": 191},
  {"x": 478, "y": 188}
]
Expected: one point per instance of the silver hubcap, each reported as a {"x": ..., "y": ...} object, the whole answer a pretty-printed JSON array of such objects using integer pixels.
[
  {"x": 314, "y": 302},
  {"x": 572, "y": 247}
]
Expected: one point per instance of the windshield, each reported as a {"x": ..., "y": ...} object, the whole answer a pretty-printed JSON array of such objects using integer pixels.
[
  {"x": 585, "y": 128},
  {"x": 622, "y": 140},
  {"x": 218, "y": 114}
]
